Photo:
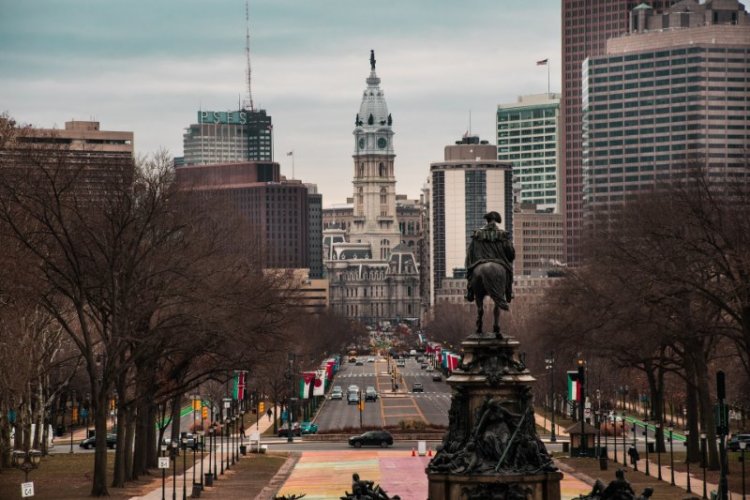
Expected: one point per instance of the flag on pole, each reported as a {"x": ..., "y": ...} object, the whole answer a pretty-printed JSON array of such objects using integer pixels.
[
  {"x": 319, "y": 387},
  {"x": 574, "y": 386},
  {"x": 306, "y": 384},
  {"x": 238, "y": 386},
  {"x": 290, "y": 153},
  {"x": 543, "y": 62}
]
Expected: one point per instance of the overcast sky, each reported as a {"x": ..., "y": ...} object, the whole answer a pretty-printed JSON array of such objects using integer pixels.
[{"x": 148, "y": 66}]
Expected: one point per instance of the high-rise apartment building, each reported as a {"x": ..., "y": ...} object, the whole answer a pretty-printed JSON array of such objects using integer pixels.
[
  {"x": 586, "y": 27},
  {"x": 670, "y": 96},
  {"x": 227, "y": 137},
  {"x": 277, "y": 209},
  {"x": 527, "y": 137},
  {"x": 94, "y": 156},
  {"x": 538, "y": 240},
  {"x": 467, "y": 184},
  {"x": 315, "y": 230}
]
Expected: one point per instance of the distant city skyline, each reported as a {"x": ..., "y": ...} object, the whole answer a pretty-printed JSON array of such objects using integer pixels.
[{"x": 147, "y": 68}]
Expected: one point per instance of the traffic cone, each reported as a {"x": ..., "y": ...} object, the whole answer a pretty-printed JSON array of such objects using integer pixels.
[
  {"x": 429, "y": 452},
  {"x": 413, "y": 452}
]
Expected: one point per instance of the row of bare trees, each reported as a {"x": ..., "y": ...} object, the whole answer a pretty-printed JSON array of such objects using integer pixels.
[
  {"x": 151, "y": 290},
  {"x": 663, "y": 298}
]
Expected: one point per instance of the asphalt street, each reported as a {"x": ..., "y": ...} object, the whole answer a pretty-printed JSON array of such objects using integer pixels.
[{"x": 430, "y": 406}]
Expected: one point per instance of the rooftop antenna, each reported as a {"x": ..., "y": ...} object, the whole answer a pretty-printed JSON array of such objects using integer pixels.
[{"x": 249, "y": 102}]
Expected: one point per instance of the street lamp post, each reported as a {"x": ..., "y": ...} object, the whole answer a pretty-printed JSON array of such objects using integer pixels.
[
  {"x": 184, "y": 441},
  {"x": 671, "y": 454},
  {"x": 658, "y": 451},
  {"x": 624, "y": 438},
  {"x": 614, "y": 430},
  {"x": 163, "y": 474},
  {"x": 635, "y": 448},
  {"x": 645, "y": 433},
  {"x": 743, "y": 445},
  {"x": 71, "y": 405},
  {"x": 550, "y": 366},
  {"x": 687, "y": 460},
  {"x": 26, "y": 461},
  {"x": 221, "y": 448},
  {"x": 174, "y": 469},
  {"x": 703, "y": 462}
]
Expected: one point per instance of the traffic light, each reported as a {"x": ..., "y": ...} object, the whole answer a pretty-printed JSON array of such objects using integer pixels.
[
  {"x": 196, "y": 404},
  {"x": 205, "y": 412},
  {"x": 261, "y": 407}
]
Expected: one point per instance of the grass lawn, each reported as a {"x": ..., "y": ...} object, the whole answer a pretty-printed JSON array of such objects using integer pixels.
[{"x": 64, "y": 476}]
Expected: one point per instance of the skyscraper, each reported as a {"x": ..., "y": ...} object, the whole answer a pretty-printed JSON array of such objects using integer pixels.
[
  {"x": 586, "y": 26},
  {"x": 662, "y": 102},
  {"x": 467, "y": 184},
  {"x": 527, "y": 137},
  {"x": 229, "y": 136}
]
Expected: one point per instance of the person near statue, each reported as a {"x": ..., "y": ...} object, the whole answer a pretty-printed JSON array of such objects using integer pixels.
[{"x": 491, "y": 244}]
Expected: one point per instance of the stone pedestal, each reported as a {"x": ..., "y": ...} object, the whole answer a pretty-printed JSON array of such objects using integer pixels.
[{"x": 491, "y": 449}]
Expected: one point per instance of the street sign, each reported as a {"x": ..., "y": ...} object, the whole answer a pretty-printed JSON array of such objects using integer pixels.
[
  {"x": 27, "y": 489},
  {"x": 164, "y": 462},
  {"x": 227, "y": 404}
]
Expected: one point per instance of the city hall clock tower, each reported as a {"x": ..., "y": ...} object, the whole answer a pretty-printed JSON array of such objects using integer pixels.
[{"x": 374, "y": 180}]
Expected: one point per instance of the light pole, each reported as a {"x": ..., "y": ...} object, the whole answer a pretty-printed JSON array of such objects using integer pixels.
[
  {"x": 624, "y": 439},
  {"x": 221, "y": 446},
  {"x": 645, "y": 433},
  {"x": 671, "y": 454},
  {"x": 703, "y": 462},
  {"x": 174, "y": 445},
  {"x": 208, "y": 477},
  {"x": 550, "y": 367},
  {"x": 658, "y": 451},
  {"x": 687, "y": 460},
  {"x": 163, "y": 474},
  {"x": 70, "y": 404},
  {"x": 226, "y": 425},
  {"x": 581, "y": 407},
  {"x": 26, "y": 461},
  {"x": 635, "y": 448},
  {"x": 184, "y": 441},
  {"x": 614, "y": 430},
  {"x": 743, "y": 445}
]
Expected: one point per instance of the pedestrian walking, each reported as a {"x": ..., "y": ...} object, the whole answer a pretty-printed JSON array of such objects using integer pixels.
[
  {"x": 269, "y": 413},
  {"x": 242, "y": 430}
]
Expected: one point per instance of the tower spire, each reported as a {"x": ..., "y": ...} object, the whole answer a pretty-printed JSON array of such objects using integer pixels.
[
  {"x": 372, "y": 60},
  {"x": 249, "y": 102}
]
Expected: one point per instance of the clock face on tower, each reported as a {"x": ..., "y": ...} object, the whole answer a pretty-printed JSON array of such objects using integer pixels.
[
  {"x": 382, "y": 142},
  {"x": 361, "y": 143}
]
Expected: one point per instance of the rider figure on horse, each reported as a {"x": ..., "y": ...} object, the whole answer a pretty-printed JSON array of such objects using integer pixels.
[{"x": 490, "y": 244}]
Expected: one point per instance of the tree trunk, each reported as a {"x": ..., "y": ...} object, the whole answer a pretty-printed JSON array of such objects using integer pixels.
[
  {"x": 99, "y": 482},
  {"x": 705, "y": 405},
  {"x": 152, "y": 443},
  {"x": 175, "y": 420},
  {"x": 128, "y": 448},
  {"x": 691, "y": 404}
]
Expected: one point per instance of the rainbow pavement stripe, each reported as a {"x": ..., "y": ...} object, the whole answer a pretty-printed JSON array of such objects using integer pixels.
[{"x": 327, "y": 474}]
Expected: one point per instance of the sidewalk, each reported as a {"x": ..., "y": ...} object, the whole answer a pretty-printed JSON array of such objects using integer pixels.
[{"x": 155, "y": 493}]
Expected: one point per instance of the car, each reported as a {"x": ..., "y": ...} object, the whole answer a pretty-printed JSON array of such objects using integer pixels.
[
  {"x": 308, "y": 428},
  {"x": 284, "y": 430},
  {"x": 370, "y": 359},
  {"x": 193, "y": 443},
  {"x": 401, "y": 363},
  {"x": 90, "y": 442},
  {"x": 734, "y": 442},
  {"x": 359, "y": 363},
  {"x": 352, "y": 388},
  {"x": 417, "y": 387},
  {"x": 337, "y": 393},
  {"x": 437, "y": 377},
  {"x": 423, "y": 366},
  {"x": 429, "y": 368},
  {"x": 353, "y": 359},
  {"x": 371, "y": 394},
  {"x": 372, "y": 438},
  {"x": 352, "y": 398}
]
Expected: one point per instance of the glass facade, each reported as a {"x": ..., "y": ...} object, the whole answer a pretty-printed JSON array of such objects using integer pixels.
[
  {"x": 651, "y": 116},
  {"x": 224, "y": 141},
  {"x": 527, "y": 137}
]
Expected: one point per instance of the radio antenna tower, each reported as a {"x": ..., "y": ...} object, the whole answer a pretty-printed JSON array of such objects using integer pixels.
[{"x": 249, "y": 101}]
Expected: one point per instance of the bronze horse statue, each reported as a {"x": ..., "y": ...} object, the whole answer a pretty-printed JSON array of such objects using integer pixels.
[{"x": 490, "y": 279}]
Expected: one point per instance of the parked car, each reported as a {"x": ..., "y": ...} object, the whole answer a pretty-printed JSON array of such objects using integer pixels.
[
  {"x": 308, "y": 428},
  {"x": 284, "y": 430},
  {"x": 417, "y": 387},
  {"x": 358, "y": 363},
  {"x": 437, "y": 377},
  {"x": 192, "y": 441},
  {"x": 734, "y": 442},
  {"x": 423, "y": 366},
  {"x": 352, "y": 359},
  {"x": 372, "y": 438},
  {"x": 401, "y": 363},
  {"x": 90, "y": 442},
  {"x": 352, "y": 398},
  {"x": 371, "y": 394},
  {"x": 429, "y": 368},
  {"x": 370, "y": 359},
  {"x": 337, "y": 393}
]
